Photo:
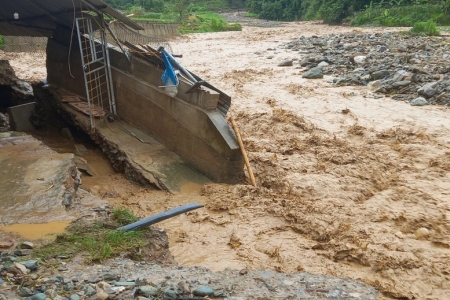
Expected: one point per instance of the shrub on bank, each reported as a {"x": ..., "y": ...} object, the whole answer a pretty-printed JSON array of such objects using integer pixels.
[
  {"x": 207, "y": 22},
  {"x": 400, "y": 15},
  {"x": 425, "y": 28}
]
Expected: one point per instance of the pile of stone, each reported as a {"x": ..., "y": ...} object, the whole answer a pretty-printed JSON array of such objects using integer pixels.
[
  {"x": 410, "y": 68},
  {"x": 122, "y": 278}
]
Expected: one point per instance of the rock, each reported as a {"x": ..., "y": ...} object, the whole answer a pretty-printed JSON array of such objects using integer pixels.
[
  {"x": 30, "y": 264},
  {"x": 360, "y": 59},
  {"x": 401, "y": 83},
  {"x": 124, "y": 283},
  {"x": 3, "y": 123},
  {"x": 373, "y": 85},
  {"x": 69, "y": 286},
  {"x": 52, "y": 294},
  {"x": 420, "y": 70},
  {"x": 40, "y": 296},
  {"x": 382, "y": 48},
  {"x": 62, "y": 268},
  {"x": 114, "y": 289},
  {"x": 421, "y": 233},
  {"x": 170, "y": 294},
  {"x": 147, "y": 291},
  {"x": 22, "y": 252},
  {"x": 203, "y": 291},
  {"x": 103, "y": 285},
  {"x": 27, "y": 245},
  {"x": 323, "y": 64},
  {"x": 41, "y": 288},
  {"x": 21, "y": 268},
  {"x": 23, "y": 89},
  {"x": 428, "y": 90},
  {"x": 80, "y": 150},
  {"x": 270, "y": 57},
  {"x": 219, "y": 293},
  {"x": 313, "y": 73},
  {"x": 74, "y": 297},
  {"x": 399, "y": 75},
  {"x": 25, "y": 292},
  {"x": 94, "y": 279},
  {"x": 65, "y": 132},
  {"x": 243, "y": 272},
  {"x": 102, "y": 295},
  {"x": 286, "y": 63},
  {"x": 183, "y": 286},
  {"x": 110, "y": 277},
  {"x": 420, "y": 101},
  {"x": 7, "y": 75},
  {"x": 89, "y": 290},
  {"x": 6, "y": 244},
  {"x": 379, "y": 74}
]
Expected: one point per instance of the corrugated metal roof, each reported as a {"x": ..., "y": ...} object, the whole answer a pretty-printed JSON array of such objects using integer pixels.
[{"x": 40, "y": 17}]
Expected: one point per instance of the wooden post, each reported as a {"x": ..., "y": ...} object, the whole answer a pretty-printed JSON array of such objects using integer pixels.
[{"x": 244, "y": 153}]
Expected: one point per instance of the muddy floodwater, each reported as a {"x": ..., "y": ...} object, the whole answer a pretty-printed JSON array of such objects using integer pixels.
[
  {"x": 39, "y": 231},
  {"x": 348, "y": 185}
]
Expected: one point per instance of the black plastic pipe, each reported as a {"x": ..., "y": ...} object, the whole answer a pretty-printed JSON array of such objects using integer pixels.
[{"x": 161, "y": 216}]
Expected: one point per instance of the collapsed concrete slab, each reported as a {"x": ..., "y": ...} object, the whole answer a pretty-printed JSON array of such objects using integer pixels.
[
  {"x": 35, "y": 182},
  {"x": 189, "y": 125},
  {"x": 19, "y": 117}
]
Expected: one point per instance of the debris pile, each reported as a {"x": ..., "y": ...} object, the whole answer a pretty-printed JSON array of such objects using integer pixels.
[
  {"x": 126, "y": 279},
  {"x": 408, "y": 68}
]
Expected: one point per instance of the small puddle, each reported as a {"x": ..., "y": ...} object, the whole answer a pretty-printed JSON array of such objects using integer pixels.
[{"x": 42, "y": 231}]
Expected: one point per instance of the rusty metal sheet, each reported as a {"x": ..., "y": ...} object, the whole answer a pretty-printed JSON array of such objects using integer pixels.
[
  {"x": 40, "y": 17},
  {"x": 97, "y": 111},
  {"x": 69, "y": 99}
]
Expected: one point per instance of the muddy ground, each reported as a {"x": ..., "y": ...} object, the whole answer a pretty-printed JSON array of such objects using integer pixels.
[{"x": 349, "y": 184}]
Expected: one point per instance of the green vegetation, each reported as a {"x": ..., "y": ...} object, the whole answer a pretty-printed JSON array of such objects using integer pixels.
[
  {"x": 2, "y": 42},
  {"x": 207, "y": 22},
  {"x": 358, "y": 12},
  {"x": 425, "y": 28},
  {"x": 199, "y": 16},
  {"x": 193, "y": 15},
  {"x": 95, "y": 241},
  {"x": 400, "y": 15},
  {"x": 124, "y": 216}
]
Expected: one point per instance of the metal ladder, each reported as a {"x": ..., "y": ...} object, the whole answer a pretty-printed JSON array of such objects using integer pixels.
[{"x": 96, "y": 66}]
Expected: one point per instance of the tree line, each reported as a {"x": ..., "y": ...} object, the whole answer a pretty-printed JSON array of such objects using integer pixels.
[{"x": 331, "y": 11}]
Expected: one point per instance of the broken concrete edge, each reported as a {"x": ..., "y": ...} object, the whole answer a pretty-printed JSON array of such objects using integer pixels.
[
  {"x": 19, "y": 117},
  {"x": 46, "y": 189},
  {"x": 120, "y": 161}
]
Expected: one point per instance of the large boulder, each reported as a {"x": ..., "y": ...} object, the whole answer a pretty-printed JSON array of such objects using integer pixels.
[{"x": 313, "y": 73}]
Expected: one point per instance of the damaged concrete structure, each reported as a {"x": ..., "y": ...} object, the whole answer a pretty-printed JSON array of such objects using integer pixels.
[{"x": 170, "y": 141}]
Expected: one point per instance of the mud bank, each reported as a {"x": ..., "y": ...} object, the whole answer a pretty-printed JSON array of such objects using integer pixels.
[{"x": 37, "y": 190}]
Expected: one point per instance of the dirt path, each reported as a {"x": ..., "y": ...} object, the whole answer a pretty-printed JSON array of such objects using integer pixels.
[{"x": 349, "y": 185}]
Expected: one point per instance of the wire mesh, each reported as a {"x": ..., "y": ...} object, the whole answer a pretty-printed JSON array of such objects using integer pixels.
[
  {"x": 124, "y": 33},
  {"x": 28, "y": 44}
]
